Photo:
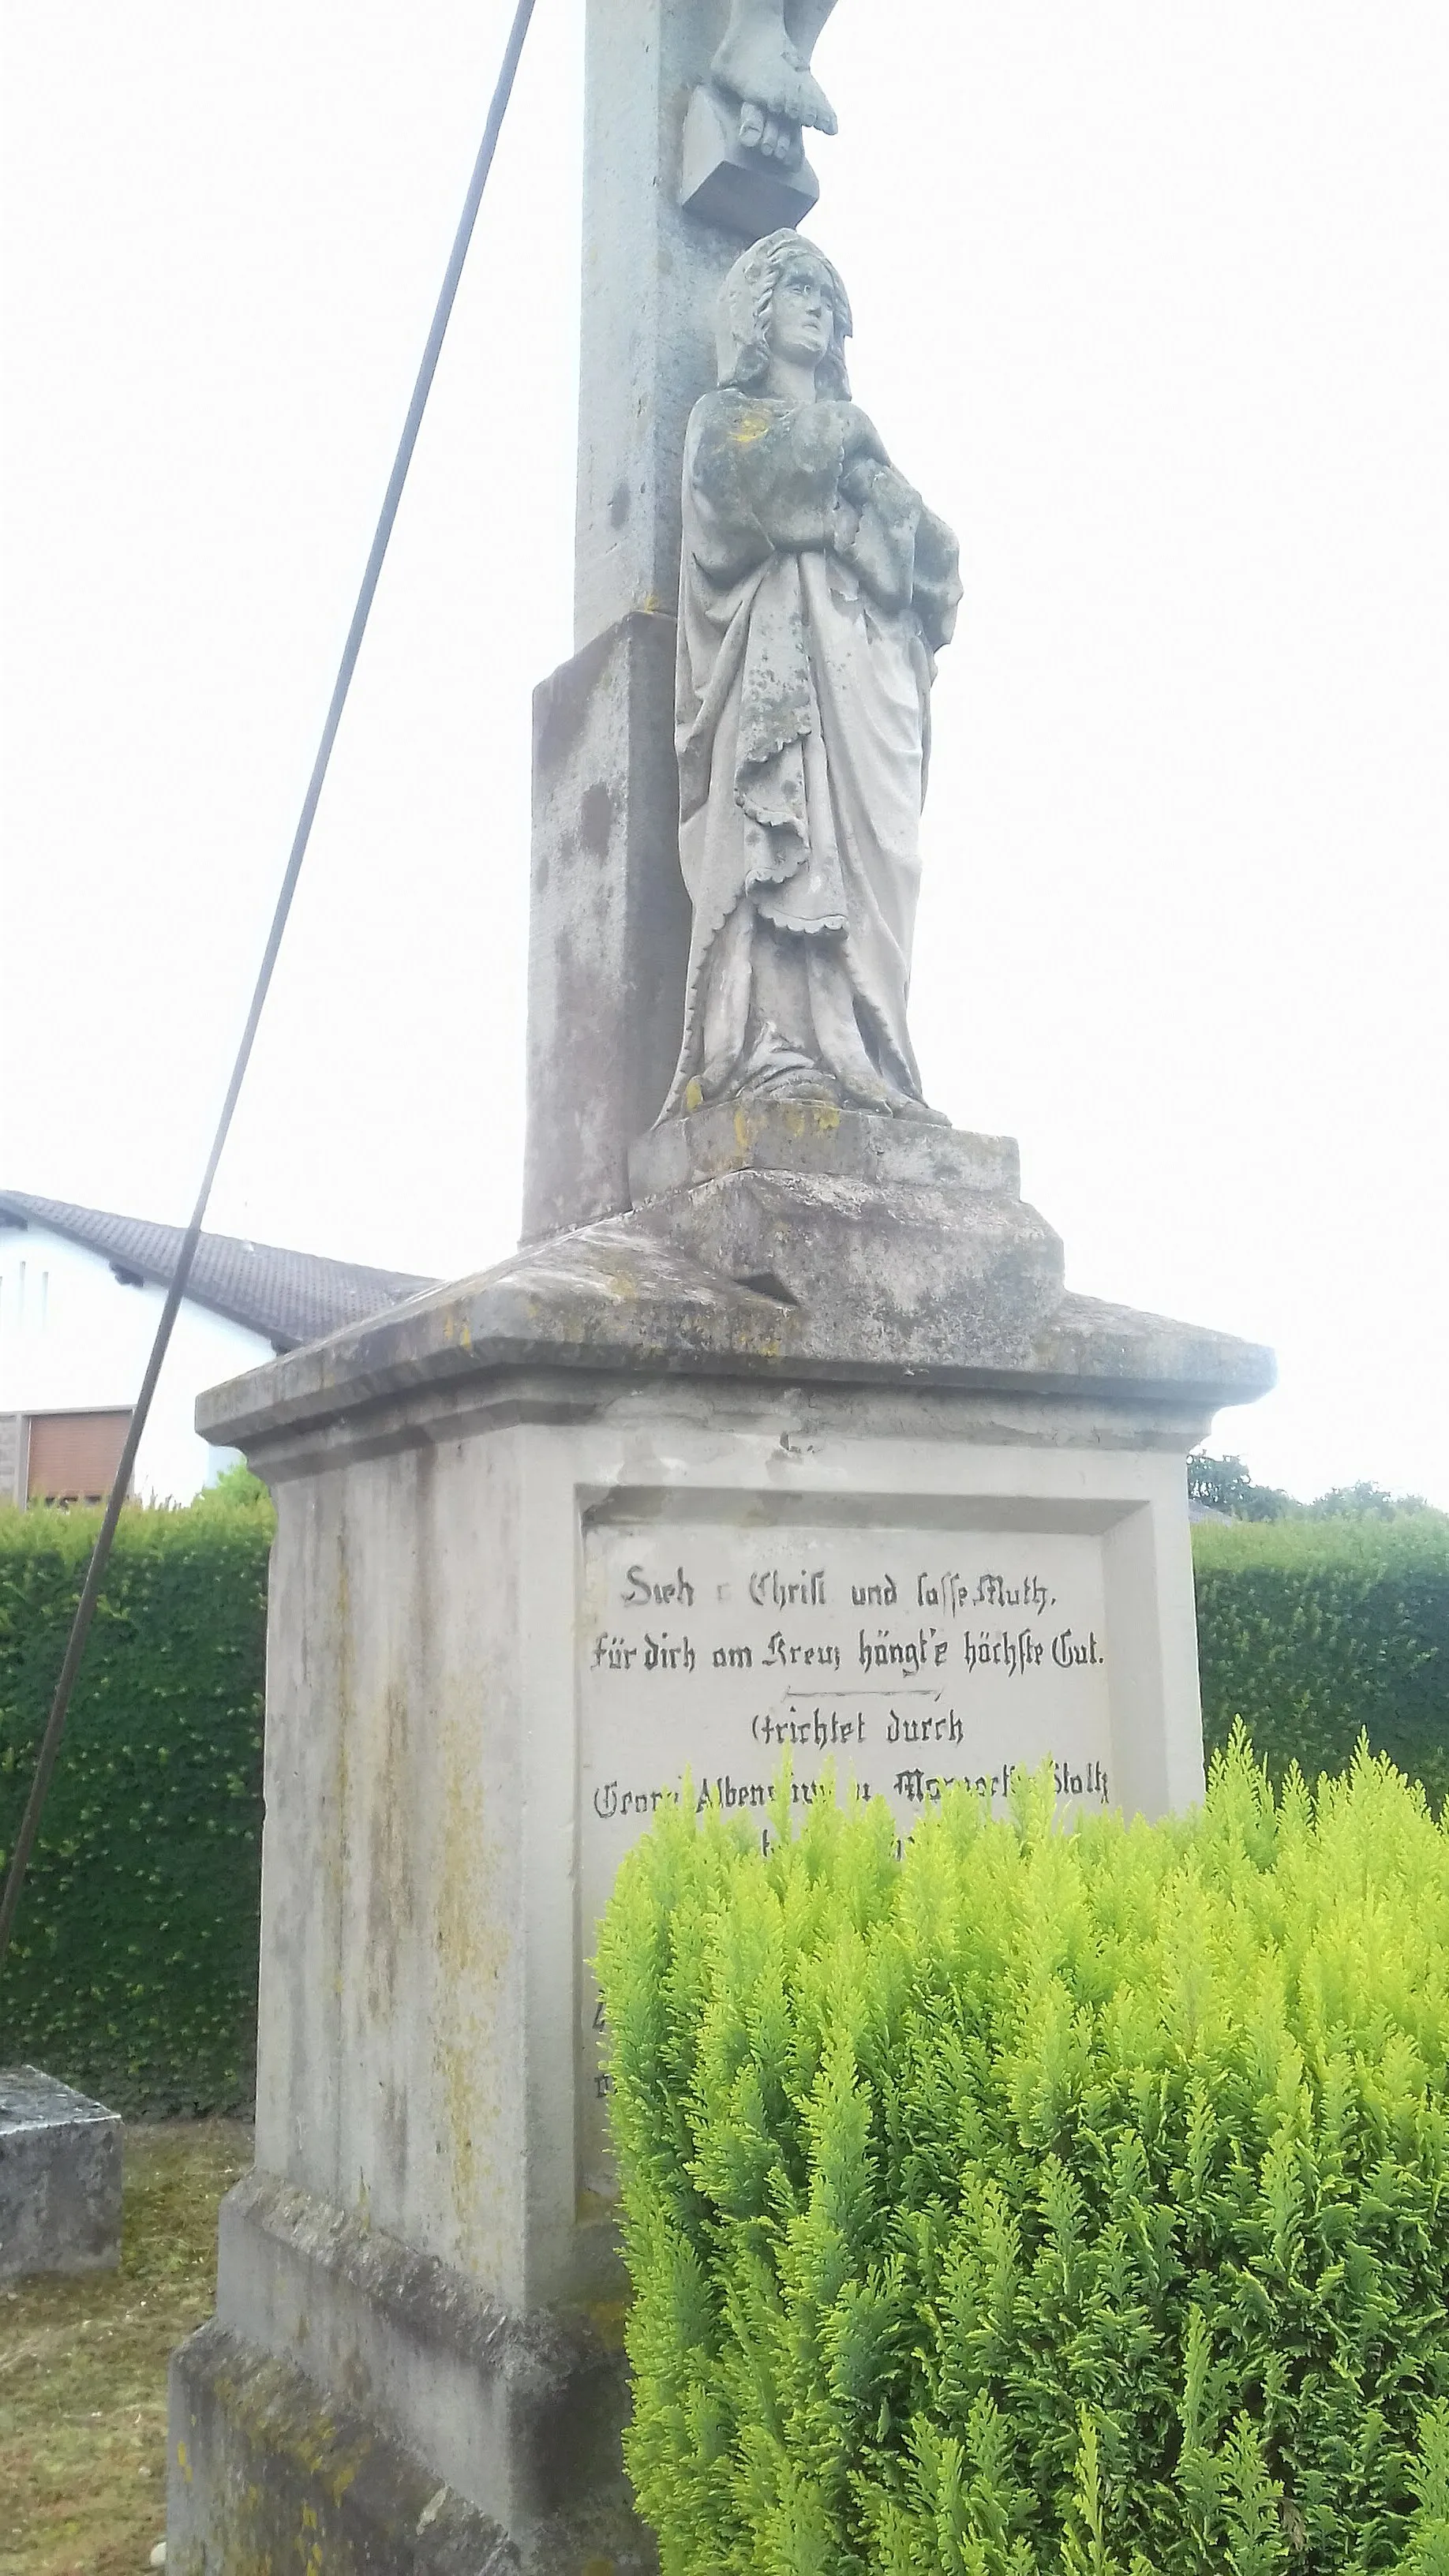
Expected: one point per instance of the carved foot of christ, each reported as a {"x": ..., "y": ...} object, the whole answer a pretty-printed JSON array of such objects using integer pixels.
[
  {"x": 773, "y": 137},
  {"x": 769, "y": 73}
]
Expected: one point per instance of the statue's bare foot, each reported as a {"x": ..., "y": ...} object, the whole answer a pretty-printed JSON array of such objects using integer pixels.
[
  {"x": 876, "y": 1098},
  {"x": 758, "y": 62},
  {"x": 794, "y": 1082},
  {"x": 773, "y": 137},
  {"x": 920, "y": 1110}
]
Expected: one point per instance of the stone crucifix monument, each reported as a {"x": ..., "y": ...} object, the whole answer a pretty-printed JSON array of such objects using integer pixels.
[{"x": 782, "y": 1434}]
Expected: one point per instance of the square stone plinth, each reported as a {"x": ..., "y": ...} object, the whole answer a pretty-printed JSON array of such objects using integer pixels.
[{"x": 60, "y": 2178}]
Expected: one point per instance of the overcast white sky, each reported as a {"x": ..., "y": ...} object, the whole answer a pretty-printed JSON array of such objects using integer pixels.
[{"x": 1150, "y": 299}]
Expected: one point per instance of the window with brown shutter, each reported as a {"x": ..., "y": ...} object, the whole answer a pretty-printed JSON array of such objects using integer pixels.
[{"x": 74, "y": 1456}]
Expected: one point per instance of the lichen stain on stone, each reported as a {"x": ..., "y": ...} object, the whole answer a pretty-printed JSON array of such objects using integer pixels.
[
  {"x": 337, "y": 1843},
  {"x": 472, "y": 1952},
  {"x": 286, "y": 2443},
  {"x": 748, "y": 426},
  {"x": 822, "y": 1115},
  {"x": 391, "y": 1878},
  {"x": 596, "y": 819},
  {"x": 608, "y": 2317}
]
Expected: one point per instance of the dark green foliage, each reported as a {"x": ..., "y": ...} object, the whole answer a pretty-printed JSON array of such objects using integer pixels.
[
  {"x": 1314, "y": 1631},
  {"x": 133, "y": 1967},
  {"x": 1044, "y": 2203},
  {"x": 1364, "y": 1502},
  {"x": 1225, "y": 1485}
]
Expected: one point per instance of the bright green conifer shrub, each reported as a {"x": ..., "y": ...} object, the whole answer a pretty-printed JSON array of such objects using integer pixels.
[
  {"x": 1044, "y": 2202},
  {"x": 1315, "y": 1632}
]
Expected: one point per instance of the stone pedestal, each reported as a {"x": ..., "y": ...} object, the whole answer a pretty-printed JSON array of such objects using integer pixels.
[{"x": 809, "y": 1453}]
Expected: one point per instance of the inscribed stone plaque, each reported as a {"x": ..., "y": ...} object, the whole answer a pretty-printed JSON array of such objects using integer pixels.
[{"x": 910, "y": 1656}]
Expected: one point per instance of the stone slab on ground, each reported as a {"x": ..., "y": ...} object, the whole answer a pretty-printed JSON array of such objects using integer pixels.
[{"x": 60, "y": 2178}]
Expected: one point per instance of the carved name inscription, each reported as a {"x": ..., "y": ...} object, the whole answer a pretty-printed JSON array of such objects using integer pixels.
[{"x": 909, "y": 1657}]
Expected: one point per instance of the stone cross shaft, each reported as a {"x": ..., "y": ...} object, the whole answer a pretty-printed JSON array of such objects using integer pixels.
[
  {"x": 610, "y": 920},
  {"x": 652, "y": 268}
]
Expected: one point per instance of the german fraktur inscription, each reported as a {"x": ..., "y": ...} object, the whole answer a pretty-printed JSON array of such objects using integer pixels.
[{"x": 908, "y": 1658}]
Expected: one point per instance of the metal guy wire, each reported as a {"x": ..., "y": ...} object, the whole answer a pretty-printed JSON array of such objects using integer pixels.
[{"x": 100, "y": 1553}]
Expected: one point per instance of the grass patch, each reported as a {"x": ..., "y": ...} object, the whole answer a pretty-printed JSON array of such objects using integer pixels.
[{"x": 83, "y": 2365}]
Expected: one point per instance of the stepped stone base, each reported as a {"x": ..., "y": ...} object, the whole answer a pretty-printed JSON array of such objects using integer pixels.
[
  {"x": 354, "y": 2400},
  {"x": 291, "y": 2477}
]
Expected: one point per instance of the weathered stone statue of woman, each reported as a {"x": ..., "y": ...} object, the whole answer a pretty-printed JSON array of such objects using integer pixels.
[{"x": 815, "y": 590}]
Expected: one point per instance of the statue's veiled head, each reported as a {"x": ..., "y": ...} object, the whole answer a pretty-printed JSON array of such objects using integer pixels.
[{"x": 748, "y": 324}]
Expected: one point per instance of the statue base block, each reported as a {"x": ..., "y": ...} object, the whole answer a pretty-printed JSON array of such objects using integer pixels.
[
  {"x": 809, "y": 1453},
  {"x": 809, "y": 1136}
]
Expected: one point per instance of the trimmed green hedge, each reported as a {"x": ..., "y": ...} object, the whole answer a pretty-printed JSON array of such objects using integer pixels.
[
  {"x": 1315, "y": 1631},
  {"x": 1041, "y": 2203},
  {"x": 133, "y": 1968}
]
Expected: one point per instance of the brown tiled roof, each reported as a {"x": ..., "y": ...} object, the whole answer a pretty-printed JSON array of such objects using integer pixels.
[{"x": 292, "y": 1297}]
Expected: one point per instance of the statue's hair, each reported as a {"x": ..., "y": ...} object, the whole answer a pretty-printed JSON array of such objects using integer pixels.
[{"x": 743, "y": 327}]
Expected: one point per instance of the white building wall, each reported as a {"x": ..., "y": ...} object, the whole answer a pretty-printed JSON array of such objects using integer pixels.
[{"x": 73, "y": 1340}]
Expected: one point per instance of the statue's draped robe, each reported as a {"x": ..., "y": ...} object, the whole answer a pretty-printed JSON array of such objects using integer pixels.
[{"x": 814, "y": 589}]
